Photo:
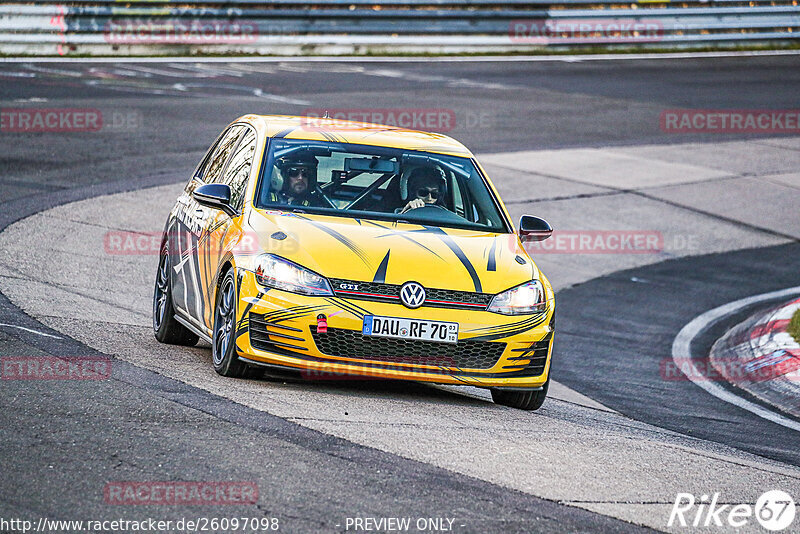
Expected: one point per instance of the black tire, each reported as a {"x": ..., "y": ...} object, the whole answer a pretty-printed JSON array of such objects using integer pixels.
[
  {"x": 524, "y": 400},
  {"x": 165, "y": 327},
  {"x": 223, "y": 343}
]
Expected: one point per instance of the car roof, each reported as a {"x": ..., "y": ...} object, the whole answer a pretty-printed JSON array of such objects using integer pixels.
[{"x": 361, "y": 133}]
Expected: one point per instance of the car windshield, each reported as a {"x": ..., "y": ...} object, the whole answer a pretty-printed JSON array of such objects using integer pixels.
[{"x": 361, "y": 181}]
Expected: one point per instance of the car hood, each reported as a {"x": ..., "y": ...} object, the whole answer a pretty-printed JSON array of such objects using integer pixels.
[{"x": 395, "y": 253}]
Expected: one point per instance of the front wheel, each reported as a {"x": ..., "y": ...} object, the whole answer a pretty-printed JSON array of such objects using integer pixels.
[
  {"x": 524, "y": 400},
  {"x": 223, "y": 342}
]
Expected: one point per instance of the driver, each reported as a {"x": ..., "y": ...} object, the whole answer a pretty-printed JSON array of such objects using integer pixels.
[
  {"x": 426, "y": 187},
  {"x": 298, "y": 183}
]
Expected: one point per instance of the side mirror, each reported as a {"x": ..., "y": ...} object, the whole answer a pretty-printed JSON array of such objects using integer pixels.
[
  {"x": 534, "y": 229},
  {"x": 217, "y": 196}
]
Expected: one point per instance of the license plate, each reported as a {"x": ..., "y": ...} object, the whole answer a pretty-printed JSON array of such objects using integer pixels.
[{"x": 417, "y": 329}]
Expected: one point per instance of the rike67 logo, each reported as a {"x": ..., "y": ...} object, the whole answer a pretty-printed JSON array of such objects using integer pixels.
[{"x": 774, "y": 510}]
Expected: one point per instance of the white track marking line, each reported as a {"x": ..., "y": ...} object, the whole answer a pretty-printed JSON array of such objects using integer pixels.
[
  {"x": 282, "y": 99},
  {"x": 401, "y": 59},
  {"x": 681, "y": 353},
  {"x": 30, "y": 330}
]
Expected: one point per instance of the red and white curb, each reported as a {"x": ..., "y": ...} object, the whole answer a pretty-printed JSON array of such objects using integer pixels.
[
  {"x": 762, "y": 358},
  {"x": 682, "y": 354}
]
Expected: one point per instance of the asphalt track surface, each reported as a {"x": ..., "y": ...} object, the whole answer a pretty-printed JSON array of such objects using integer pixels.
[
  {"x": 650, "y": 303},
  {"x": 62, "y": 442}
]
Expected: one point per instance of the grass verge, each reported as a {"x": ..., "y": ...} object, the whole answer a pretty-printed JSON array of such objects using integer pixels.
[{"x": 794, "y": 326}]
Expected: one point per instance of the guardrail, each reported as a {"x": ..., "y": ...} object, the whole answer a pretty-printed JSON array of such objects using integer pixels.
[{"x": 135, "y": 27}]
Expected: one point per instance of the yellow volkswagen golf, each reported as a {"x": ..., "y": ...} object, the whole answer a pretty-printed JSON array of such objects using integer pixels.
[{"x": 342, "y": 248}]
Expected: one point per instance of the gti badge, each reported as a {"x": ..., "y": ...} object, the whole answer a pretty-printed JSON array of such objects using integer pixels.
[
  {"x": 349, "y": 287},
  {"x": 412, "y": 295}
]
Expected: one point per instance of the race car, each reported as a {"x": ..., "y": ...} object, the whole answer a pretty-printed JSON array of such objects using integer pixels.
[{"x": 345, "y": 249}]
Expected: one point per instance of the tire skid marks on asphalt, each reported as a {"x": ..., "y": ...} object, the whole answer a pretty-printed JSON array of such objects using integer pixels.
[{"x": 210, "y": 80}]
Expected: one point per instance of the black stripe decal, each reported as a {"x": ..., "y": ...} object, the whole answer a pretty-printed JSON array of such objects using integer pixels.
[
  {"x": 245, "y": 313},
  {"x": 348, "y": 307},
  {"x": 346, "y": 241},
  {"x": 492, "y": 264},
  {"x": 276, "y": 313},
  {"x": 327, "y": 136},
  {"x": 359, "y": 308},
  {"x": 297, "y": 314},
  {"x": 338, "y": 138},
  {"x": 509, "y": 326},
  {"x": 283, "y": 133},
  {"x": 352, "y": 309},
  {"x": 459, "y": 254},
  {"x": 380, "y": 274},
  {"x": 507, "y": 333},
  {"x": 404, "y": 235}
]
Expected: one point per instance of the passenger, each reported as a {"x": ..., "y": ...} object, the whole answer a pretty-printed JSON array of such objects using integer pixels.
[
  {"x": 297, "y": 183},
  {"x": 426, "y": 187}
]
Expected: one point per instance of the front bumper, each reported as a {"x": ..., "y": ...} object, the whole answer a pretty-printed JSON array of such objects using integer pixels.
[{"x": 276, "y": 327}]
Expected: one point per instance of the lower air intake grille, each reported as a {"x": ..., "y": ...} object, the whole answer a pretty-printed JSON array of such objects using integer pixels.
[
  {"x": 532, "y": 360},
  {"x": 352, "y": 344},
  {"x": 274, "y": 337}
]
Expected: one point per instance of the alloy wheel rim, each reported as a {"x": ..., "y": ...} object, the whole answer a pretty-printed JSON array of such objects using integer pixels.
[
  {"x": 160, "y": 299},
  {"x": 224, "y": 322}
]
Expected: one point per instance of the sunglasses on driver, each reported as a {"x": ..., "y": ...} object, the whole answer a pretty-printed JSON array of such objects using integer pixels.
[
  {"x": 423, "y": 192},
  {"x": 299, "y": 171}
]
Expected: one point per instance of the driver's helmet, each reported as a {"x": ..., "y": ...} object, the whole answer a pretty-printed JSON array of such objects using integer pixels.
[
  {"x": 426, "y": 178},
  {"x": 288, "y": 163}
]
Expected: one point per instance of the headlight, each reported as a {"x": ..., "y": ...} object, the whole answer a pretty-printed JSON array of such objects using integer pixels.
[
  {"x": 274, "y": 271},
  {"x": 526, "y": 298}
]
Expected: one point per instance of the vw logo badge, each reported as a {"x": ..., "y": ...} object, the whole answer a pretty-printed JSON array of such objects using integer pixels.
[{"x": 412, "y": 295}]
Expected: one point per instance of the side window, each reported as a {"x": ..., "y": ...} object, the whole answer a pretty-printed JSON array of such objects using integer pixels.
[
  {"x": 213, "y": 170},
  {"x": 201, "y": 167},
  {"x": 239, "y": 168}
]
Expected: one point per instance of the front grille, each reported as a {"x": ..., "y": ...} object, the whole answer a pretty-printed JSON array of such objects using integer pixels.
[
  {"x": 465, "y": 354},
  {"x": 434, "y": 298},
  {"x": 273, "y": 337}
]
